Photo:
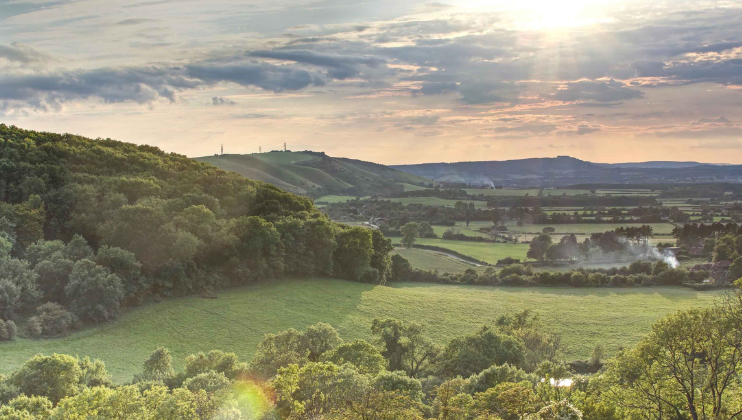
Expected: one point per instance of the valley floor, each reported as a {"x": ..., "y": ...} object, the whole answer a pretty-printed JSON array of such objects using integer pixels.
[{"x": 239, "y": 318}]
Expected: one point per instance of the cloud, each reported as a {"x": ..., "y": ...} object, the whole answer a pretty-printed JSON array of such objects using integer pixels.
[
  {"x": 49, "y": 90},
  {"x": 340, "y": 66},
  {"x": 537, "y": 129},
  {"x": 425, "y": 119},
  {"x": 131, "y": 22},
  {"x": 23, "y": 54},
  {"x": 596, "y": 91},
  {"x": 218, "y": 101}
]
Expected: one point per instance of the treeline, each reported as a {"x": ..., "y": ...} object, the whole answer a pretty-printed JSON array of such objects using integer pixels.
[
  {"x": 638, "y": 273},
  {"x": 687, "y": 367},
  {"x": 314, "y": 374},
  {"x": 97, "y": 225}
]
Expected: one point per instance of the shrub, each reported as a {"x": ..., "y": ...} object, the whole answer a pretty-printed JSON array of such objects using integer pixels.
[
  {"x": 33, "y": 327},
  {"x": 7, "y": 330},
  {"x": 52, "y": 320}
]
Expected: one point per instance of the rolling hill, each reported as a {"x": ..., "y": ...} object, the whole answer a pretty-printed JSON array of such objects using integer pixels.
[
  {"x": 316, "y": 174},
  {"x": 564, "y": 170}
]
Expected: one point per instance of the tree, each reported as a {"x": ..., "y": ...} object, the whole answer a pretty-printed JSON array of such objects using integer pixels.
[
  {"x": 94, "y": 293},
  {"x": 320, "y": 338},
  {"x": 54, "y": 377},
  {"x": 315, "y": 388},
  {"x": 353, "y": 254},
  {"x": 215, "y": 361},
  {"x": 548, "y": 230},
  {"x": 77, "y": 248},
  {"x": 538, "y": 247},
  {"x": 561, "y": 410},
  {"x": 510, "y": 401},
  {"x": 359, "y": 353},
  {"x": 723, "y": 252},
  {"x": 597, "y": 355},
  {"x": 471, "y": 354},
  {"x": 410, "y": 233},
  {"x": 158, "y": 366},
  {"x": 406, "y": 347},
  {"x": 735, "y": 270},
  {"x": 401, "y": 268},
  {"x": 685, "y": 367}
]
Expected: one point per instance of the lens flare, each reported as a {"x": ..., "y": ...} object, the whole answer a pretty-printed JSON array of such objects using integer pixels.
[{"x": 253, "y": 399}]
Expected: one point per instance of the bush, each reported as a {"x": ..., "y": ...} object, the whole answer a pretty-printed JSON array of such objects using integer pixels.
[
  {"x": 508, "y": 261},
  {"x": 52, "y": 320},
  {"x": 7, "y": 330},
  {"x": 34, "y": 328}
]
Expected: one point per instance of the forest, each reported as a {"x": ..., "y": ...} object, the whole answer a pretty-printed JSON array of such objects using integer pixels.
[{"x": 91, "y": 227}]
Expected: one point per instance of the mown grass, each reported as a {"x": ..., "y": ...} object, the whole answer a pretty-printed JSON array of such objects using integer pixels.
[
  {"x": 239, "y": 318},
  {"x": 484, "y": 251},
  {"x": 411, "y": 187},
  {"x": 431, "y": 260}
]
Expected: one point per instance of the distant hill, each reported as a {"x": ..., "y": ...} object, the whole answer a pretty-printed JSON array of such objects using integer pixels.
[
  {"x": 656, "y": 164},
  {"x": 316, "y": 174},
  {"x": 565, "y": 170}
]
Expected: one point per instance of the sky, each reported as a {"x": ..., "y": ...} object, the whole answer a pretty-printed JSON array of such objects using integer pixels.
[{"x": 389, "y": 81}]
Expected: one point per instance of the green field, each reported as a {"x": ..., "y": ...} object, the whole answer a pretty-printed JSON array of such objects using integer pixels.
[
  {"x": 502, "y": 192},
  {"x": 435, "y": 201},
  {"x": 330, "y": 199},
  {"x": 410, "y": 187},
  {"x": 589, "y": 228},
  {"x": 546, "y": 193},
  {"x": 239, "y": 318},
  {"x": 432, "y": 260},
  {"x": 459, "y": 228},
  {"x": 484, "y": 251}
]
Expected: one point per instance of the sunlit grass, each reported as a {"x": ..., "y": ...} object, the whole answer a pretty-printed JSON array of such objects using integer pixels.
[{"x": 237, "y": 320}]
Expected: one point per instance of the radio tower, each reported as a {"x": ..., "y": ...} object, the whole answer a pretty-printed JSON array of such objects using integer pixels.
[
  {"x": 260, "y": 149},
  {"x": 222, "y": 149},
  {"x": 284, "y": 146}
]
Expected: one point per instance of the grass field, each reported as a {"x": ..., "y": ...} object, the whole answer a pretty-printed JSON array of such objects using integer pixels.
[
  {"x": 435, "y": 201},
  {"x": 239, "y": 318},
  {"x": 484, "y": 251},
  {"x": 502, "y": 192},
  {"x": 431, "y": 260},
  {"x": 330, "y": 199},
  {"x": 459, "y": 228},
  {"x": 411, "y": 187},
  {"x": 589, "y": 228},
  {"x": 546, "y": 193}
]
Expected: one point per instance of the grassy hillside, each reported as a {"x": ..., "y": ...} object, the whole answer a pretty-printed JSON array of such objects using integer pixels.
[
  {"x": 237, "y": 320},
  {"x": 316, "y": 174}
]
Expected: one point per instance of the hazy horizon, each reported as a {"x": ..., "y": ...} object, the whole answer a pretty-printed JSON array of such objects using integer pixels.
[{"x": 393, "y": 82}]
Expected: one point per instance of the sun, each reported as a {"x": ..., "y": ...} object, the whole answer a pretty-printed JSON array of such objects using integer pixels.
[{"x": 545, "y": 14}]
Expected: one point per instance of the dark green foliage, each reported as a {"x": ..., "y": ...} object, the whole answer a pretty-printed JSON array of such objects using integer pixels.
[
  {"x": 52, "y": 320},
  {"x": 152, "y": 223},
  {"x": 93, "y": 292},
  {"x": 471, "y": 354},
  {"x": 7, "y": 330}
]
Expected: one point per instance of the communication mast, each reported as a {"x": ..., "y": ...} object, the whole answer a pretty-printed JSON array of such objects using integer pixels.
[
  {"x": 222, "y": 149},
  {"x": 284, "y": 146},
  {"x": 260, "y": 149}
]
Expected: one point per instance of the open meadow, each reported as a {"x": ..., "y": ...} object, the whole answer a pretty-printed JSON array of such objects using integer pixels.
[
  {"x": 239, "y": 318},
  {"x": 488, "y": 252}
]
